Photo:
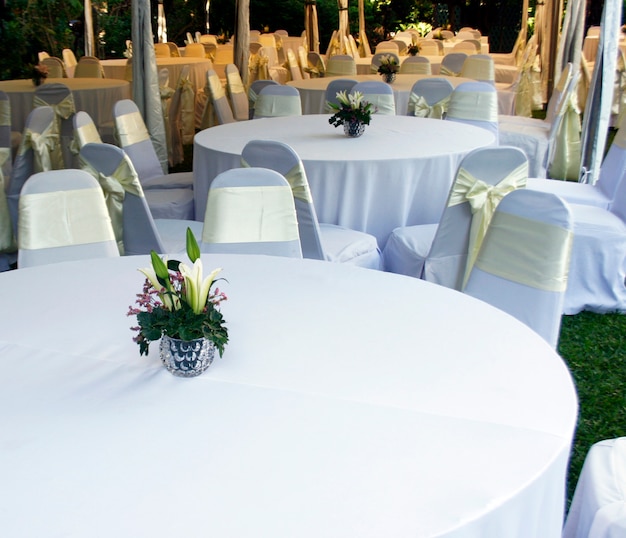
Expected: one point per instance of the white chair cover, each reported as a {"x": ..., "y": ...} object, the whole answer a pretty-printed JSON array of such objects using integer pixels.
[
  {"x": 303, "y": 62},
  {"x": 340, "y": 65},
  {"x": 217, "y": 110},
  {"x": 387, "y": 47},
  {"x": 174, "y": 147},
  {"x": 429, "y": 47},
  {"x": 85, "y": 130},
  {"x": 334, "y": 87},
  {"x": 318, "y": 241},
  {"x": 89, "y": 67},
  {"x": 194, "y": 50},
  {"x": 60, "y": 98},
  {"x": 479, "y": 67},
  {"x": 378, "y": 94},
  {"x": 376, "y": 59},
  {"x": 315, "y": 65},
  {"x": 7, "y": 241},
  {"x": 278, "y": 100},
  {"x": 524, "y": 260},
  {"x": 69, "y": 59},
  {"x": 63, "y": 217},
  {"x": 56, "y": 67},
  {"x": 466, "y": 47},
  {"x": 34, "y": 154},
  {"x": 429, "y": 98},
  {"x": 511, "y": 58},
  {"x": 237, "y": 93},
  {"x": 294, "y": 68},
  {"x": 475, "y": 103},
  {"x": 415, "y": 65},
  {"x": 135, "y": 230},
  {"x": 598, "y": 509},
  {"x": 253, "y": 92},
  {"x": 251, "y": 211},
  {"x": 162, "y": 50},
  {"x": 444, "y": 253},
  {"x": 452, "y": 64}
]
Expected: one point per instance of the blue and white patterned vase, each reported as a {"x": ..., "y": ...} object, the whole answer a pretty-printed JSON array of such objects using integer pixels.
[{"x": 186, "y": 358}]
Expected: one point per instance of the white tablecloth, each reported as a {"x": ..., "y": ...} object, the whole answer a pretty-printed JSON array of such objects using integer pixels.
[
  {"x": 93, "y": 95},
  {"x": 349, "y": 403},
  {"x": 399, "y": 172}
]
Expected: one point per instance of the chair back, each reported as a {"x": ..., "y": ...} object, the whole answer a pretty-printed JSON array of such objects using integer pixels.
[
  {"x": 195, "y": 50},
  {"x": 334, "y": 87},
  {"x": 162, "y": 50},
  {"x": 174, "y": 52},
  {"x": 430, "y": 47},
  {"x": 479, "y": 67},
  {"x": 254, "y": 90},
  {"x": 558, "y": 92},
  {"x": 251, "y": 211},
  {"x": 477, "y": 47},
  {"x": 283, "y": 159},
  {"x": 316, "y": 65},
  {"x": 254, "y": 36},
  {"x": 133, "y": 225},
  {"x": 452, "y": 64},
  {"x": 189, "y": 39},
  {"x": 237, "y": 93},
  {"x": 180, "y": 117},
  {"x": 524, "y": 260},
  {"x": 294, "y": 67},
  {"x": 447, "y": 34},
  {"x": 278, "y": 100},
  {"x": 133, "y": 137},
  {"x": 268, "y": 40},
  {"x": 429, "y": 98},
  {"x": 387, "y": 46},
  {"x": 303, "y": 63},
  {"x": 475, "y": 103},
  {"x": 5, "y": 139},
  {"x": 217, "y": 110},
  {"x": 70, "y": 61},
  {"x": 340, "y": 65},
  {"x": 255, "y": 47},
  {"x": 613, "y": 169},
  {"x": 282, "y": 33},
  {"x": 379, "y": 56},
  {"x": 63, "y": 217},
  {"x": 464, "y": 46},
  {"x": 56, "y": 67},
  {"x": 415, "y": 65},
  {"x": 89, "y": 67},
  {"x": 492, "y": 172},
  {"x": 401, "y": 44},
  {"x": 42, "y": 55},
  {"x": 208, "y": 39},
  {"x": 85, "y": 130},
  {"x": 378, "y": 94}
]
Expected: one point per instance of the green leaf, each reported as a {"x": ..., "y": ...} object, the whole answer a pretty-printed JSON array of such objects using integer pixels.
[
  {"x": 160, "y": 269},
  {"x": 193, "y": 250}
]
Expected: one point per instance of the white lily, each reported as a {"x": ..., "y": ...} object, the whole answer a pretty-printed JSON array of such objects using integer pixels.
[
  {"x": 196, "y": 289},
  {"x": 169, "y": 302}
]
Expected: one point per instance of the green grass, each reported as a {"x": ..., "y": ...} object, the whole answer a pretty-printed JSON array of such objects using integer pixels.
[{"x": 594, "y": 348}]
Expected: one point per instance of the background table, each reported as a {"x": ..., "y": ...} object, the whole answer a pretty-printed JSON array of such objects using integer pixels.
[
  {"x": 349, "y": 403},
  {"x": 95, "y": 96},
  {"x": 399, "y": 172}
]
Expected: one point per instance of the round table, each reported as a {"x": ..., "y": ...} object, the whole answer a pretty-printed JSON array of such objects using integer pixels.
[
  {"x": 95, "y": 96},
  {"x": 363, "y": 65},
  {"x": 349, "y": 402},
  {"x": 398, "y": 173}
]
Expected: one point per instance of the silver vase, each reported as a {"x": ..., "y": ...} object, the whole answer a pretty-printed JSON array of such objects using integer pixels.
[{"x": 186, "y": 358}]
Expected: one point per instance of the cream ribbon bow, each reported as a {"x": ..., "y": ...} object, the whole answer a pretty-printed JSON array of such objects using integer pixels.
[
  {"x": 63, "y": 110},
  {"x": 42, "y": 144},
  {"x": 123, "y": 179},
  {"x": 443, "y": 70},
  {"x": 483, "y": 199},
  {"x": 187, "y": 113},
  {"x": 296, "y": 177},
  {"x": 422, "y": 109},
  {"x": 7, "y": 241}
]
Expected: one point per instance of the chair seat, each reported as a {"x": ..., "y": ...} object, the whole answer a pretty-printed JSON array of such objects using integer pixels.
[
  {"x": 407, "y": 249},
  {"x": 343, "y": 245},
  {"x": 178, "y": 180},
  {"x": 173, "y": 233},
  {"x": 571, "y": 192},
  {"x": 170, "y": 203}
]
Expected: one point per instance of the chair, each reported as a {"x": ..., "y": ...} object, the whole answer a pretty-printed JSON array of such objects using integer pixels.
[
  {"x": 415, "y": 65},
  {"x": 56, "y": 67},
  {"x": 174, "y": 52},
  {"x": 251, "y": 211},
  {"x": 444, "y": 253},
  {"x": 174, "y": 196},
  {"x": 195, "y": 50},
  {"x": 189, "y": 39},
  {"x": 303, "y": 63},
  {"x": 89, "y": 67},
  {"x": 237, "y": 93},
  {"x": 69, "y": 59},
  {"x": 8, "y": 138},
  {"x": 63, "y": 217},
  {"x": 334, "y": 87},
  {"x": 135, "y": 230},
  {"x": 447, "y": 34},
  {"x": 387, "y": 47},
  {"x": 402, "y": 46},
  {"x": 294, "y": 67},
  {"x": 162, "y": 50},
  {"x": 253, "y": 93},
  {"x": 60, "y": 98},
  {"x": 217, "y": 110},
  {"x": 597, "y": 509},
  {"x": 602, "y": 192},
  {"x": 315, "y": 65},
  {"x": 510, "y": 58},
  {"x": 85, "y": 130},
  {"x": 429, "y": 98},
  {"x": 283, "y": 33},
  {"x": 465, "y": 47},
  {"x": 479, "y": 67},
  {"x": 378, "y": 94},
  {"x": 430, "y": 47},
  {"x": 378, "y": 57},
  {"x": 318, "y": 241},
  {"x": 255, "y": 47},
  {"x": 42, "y": 55},
  {"x": 524, "y": 260},
  {"x": 452, "y": 64},
  {"x": 180, "y": 125},
  {"x": 516, "y": 97},
  {"x": 475, "y": 103},
  {"x": 278, "y": 100},
  {"x": 7, "y": 241},
  {"x": 254, "y": 36},
  {"x": 340, "y": 65}
]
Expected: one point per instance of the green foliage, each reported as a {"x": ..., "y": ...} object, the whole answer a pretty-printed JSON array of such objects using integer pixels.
[{"x": 112, "y": 27}]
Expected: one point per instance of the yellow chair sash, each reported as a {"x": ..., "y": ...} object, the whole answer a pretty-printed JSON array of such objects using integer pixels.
[
  {"x": 422, "y": 109},
  {"x": 296, "y": 177},
  {"x": 483, "y": 199},
  {"x": 235, "y": 84},
  {"x": 66, "y": 214},
  {"x": 63, "y": 110},
  {"x": 187, "y": 110},
  {"x": 514, "y": 244},
  {"x": 447, "y": 72},
  {"x": 5, "y": 113},
  {"x": 123, "y": 179},
  {"x": 341, "y": 67},
  {"x": 131, "y": 129},
  {"x": 42, "y": 145},
  {"x": 523, "y": 97},
  {"x": 255, "y": 214},
  {"x": 87, "y": 133},
  {"x": 7, "y": 241},
  {"x": 567, "y": 153},
  {"x": 477, "y": 106},
  {"x": 277, "y": 105}
]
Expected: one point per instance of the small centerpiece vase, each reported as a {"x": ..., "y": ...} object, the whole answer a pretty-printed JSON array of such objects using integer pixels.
[
  {"x": 186, "y": 358},
  {"x": 389, "y": 77},
  {"x": 353, "y": 129}
]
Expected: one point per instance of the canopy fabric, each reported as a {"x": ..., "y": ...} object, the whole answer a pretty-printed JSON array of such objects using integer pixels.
[
  {"x": 161, "y": 23},
  {"x": 242, "y": 38},
  {"x": 146, "y": 92},
  {"x": 344, "y": 24},
  {"x": 600, "y": 96},
  {"x": 572, "y": 34},
  {"x": 89, "y": 39},
  {"x": 311, "y": 25},
  {"x": 364, "y": 46}
]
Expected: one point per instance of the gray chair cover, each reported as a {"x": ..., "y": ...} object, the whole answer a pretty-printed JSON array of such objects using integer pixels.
[{"x": 334, "y": 87}]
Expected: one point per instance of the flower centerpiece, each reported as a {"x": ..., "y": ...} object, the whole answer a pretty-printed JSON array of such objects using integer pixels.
[
  {"x": 388, "y": 68},
  {"x": 412, "y": 50},
  {"x": 178, "y": 306},
  {"x": 39, "y": 74},
  {"x": 352, "y": 112}
]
